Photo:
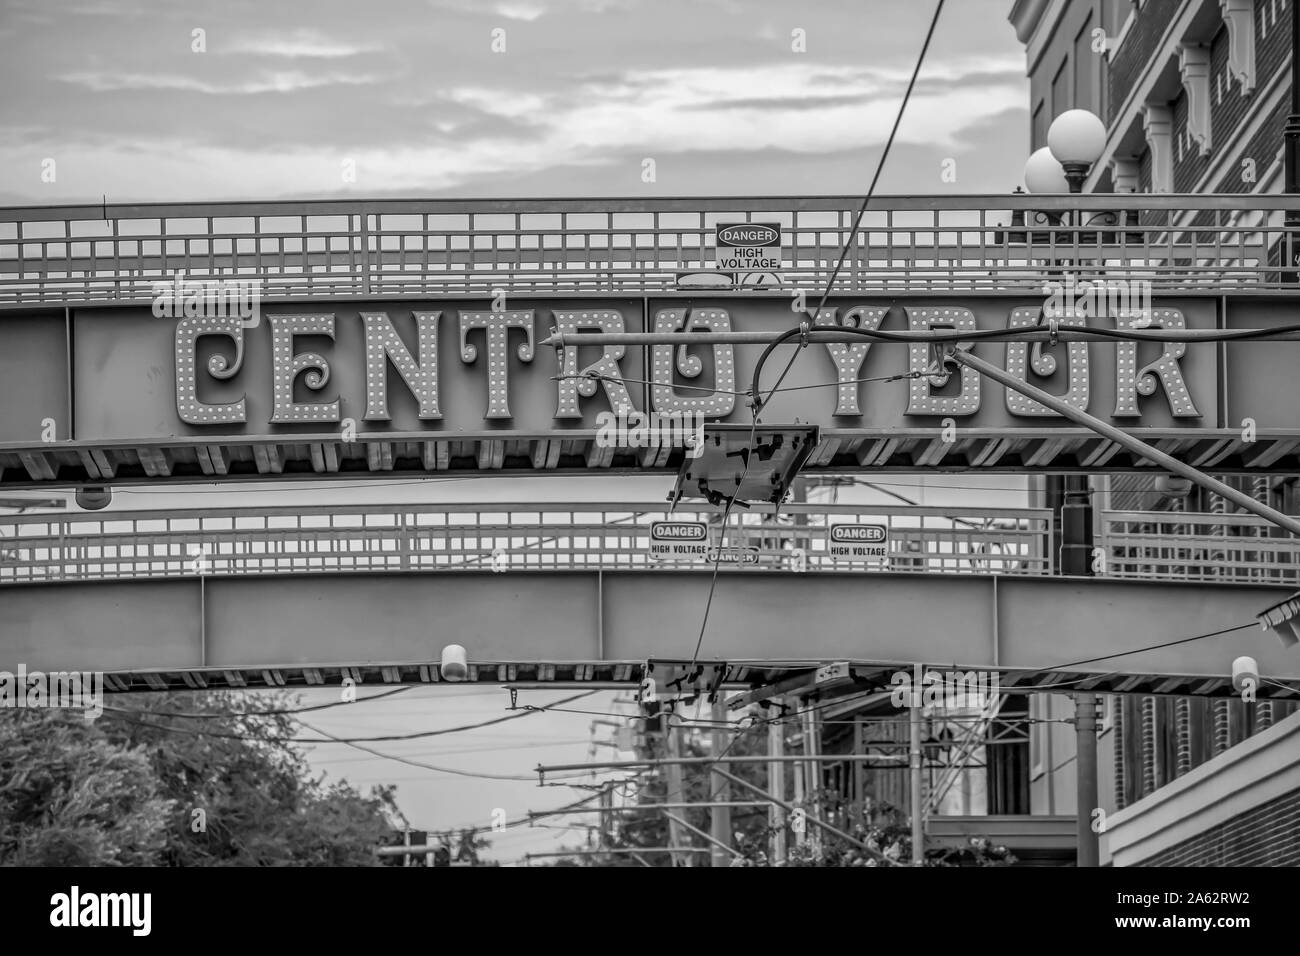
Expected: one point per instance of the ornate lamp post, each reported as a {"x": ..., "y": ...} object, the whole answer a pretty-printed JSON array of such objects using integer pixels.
[{"x": 1076, "y": 140}]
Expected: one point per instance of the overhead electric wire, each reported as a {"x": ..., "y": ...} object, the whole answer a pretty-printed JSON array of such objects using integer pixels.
[
  {"x": 327, "y": 763},
  {"x": 290, "y": 485},
  {"x": 944, "y": 336},
  {"x": 756, "y": 400},
  {"x": 1153, "y": 647},
  {"x": 257, "y": 713},
  {"x": 524, "y": 712},
  {"x": 428, "y": 766},
  {"x": 599, "y": 377}
]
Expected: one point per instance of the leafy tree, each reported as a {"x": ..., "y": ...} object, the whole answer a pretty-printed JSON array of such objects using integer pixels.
[
  {"x": 71, "y": 797},
  {"x": 242, "y": 794},
  {"x": 147, "y": 784}
]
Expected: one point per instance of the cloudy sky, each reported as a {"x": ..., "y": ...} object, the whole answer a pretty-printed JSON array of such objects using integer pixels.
[
  {"x": 426, "y": 98},
  {"x": 504, "y": 98}
]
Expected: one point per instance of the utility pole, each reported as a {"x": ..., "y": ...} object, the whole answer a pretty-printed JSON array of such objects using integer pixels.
[
  {"x": 799, "y": 495},
  {"x": 800, "y": 796},
  {"x": 915, "y": 759},
  {"x": 813, "y": 772},
  {"x": 606, "y": 817},
  {"x": 673, "y": 776},
  {"x": 1085, "y": 731},
  {"x": 720, "y": 790},
  {"x": 776, "y": 786}
]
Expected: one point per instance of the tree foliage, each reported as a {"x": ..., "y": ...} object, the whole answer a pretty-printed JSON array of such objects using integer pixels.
[
  {"x": 141, "y": 785},
  {"x": 71, "y": 797}
]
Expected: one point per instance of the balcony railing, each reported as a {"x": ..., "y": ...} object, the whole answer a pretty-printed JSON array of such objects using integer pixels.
[
  {"x": 370, "y": 248},
  {"x": 504, "y": 537}
]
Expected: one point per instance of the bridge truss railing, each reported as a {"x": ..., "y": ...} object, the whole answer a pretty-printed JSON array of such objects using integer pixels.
[
  {"x": 1192, "y": 546},
  {"x": 501, "y": 537},
  {"x": 376, "y": 248}
]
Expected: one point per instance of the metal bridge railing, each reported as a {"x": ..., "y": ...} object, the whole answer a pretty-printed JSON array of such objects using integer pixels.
[
  {"x": 504, "y": 537},
  {"x": 375, "y": 248},
  {"x": 578, "y": 536},
  {"x": 1190, "y": 546}
]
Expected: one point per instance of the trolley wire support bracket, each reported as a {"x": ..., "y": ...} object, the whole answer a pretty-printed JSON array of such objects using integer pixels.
[
  {"x": 731, "y": 471},
  {"x": 953, "y": 354}
]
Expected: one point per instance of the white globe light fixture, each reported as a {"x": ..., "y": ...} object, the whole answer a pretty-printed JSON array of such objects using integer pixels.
[
  {"x": 1044, "y": 173},
  {"x": 454, "y": 666},
  {"x": 94, "y": 498},
  {"x": 1077, "y": 138}
]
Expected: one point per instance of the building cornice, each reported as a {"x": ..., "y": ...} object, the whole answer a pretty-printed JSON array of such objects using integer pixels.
[
  {"x": 1024, "y": 16},
  {"x": 1044, "y": 27}
]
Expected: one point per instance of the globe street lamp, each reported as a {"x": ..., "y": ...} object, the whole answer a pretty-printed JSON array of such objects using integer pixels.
[
  {"x": 1076, "y": 139},
  {"x": 1045, "y": 174}
]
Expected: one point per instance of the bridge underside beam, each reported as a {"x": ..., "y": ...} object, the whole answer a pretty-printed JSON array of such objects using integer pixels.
[
  {"x": 1054, "y": 450},
  {"x": 317, "y": 628}
]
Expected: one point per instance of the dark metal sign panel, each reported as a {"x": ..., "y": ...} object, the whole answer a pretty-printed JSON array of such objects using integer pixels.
[{"x": 309, "y": 385}]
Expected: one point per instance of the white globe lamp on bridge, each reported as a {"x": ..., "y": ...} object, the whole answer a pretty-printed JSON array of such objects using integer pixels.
[
  {"x": 1044, "y": 173},
  {"x": 454, "y": 666},
  {"x": 94, "y": 498},
  {"x": 1076, "y": 138}
]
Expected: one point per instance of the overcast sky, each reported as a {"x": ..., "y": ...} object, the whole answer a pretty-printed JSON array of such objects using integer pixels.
[
  {"x": 286, "y": 97},
  {"x": 413, "y": 94}
]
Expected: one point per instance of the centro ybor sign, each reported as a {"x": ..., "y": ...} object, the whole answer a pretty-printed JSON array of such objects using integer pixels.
[
  {"x": 361, "y": 363},
  {"x": 749, "y": 247}
]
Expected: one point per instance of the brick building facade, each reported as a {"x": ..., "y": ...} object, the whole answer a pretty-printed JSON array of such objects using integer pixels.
[{"x": 1194, "y": 95}]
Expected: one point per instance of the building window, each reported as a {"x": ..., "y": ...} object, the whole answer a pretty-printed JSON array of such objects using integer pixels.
[
  {"x": 1086, "y": 69},
  {"x": 1061, "y": 89}
]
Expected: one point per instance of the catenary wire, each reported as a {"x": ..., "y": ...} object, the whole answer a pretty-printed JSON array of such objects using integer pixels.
[
  {"x": 756, "y": 400},
  {"x": 525, "y": 711}
]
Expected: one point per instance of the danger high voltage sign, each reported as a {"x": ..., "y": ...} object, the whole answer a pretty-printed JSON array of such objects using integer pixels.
[{"x": 748, "y": 247}]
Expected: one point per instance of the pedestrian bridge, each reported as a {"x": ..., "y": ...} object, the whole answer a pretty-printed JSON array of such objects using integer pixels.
[
  {"x": 225, "y": 342},
  {"x": 271, "y": 597}
]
